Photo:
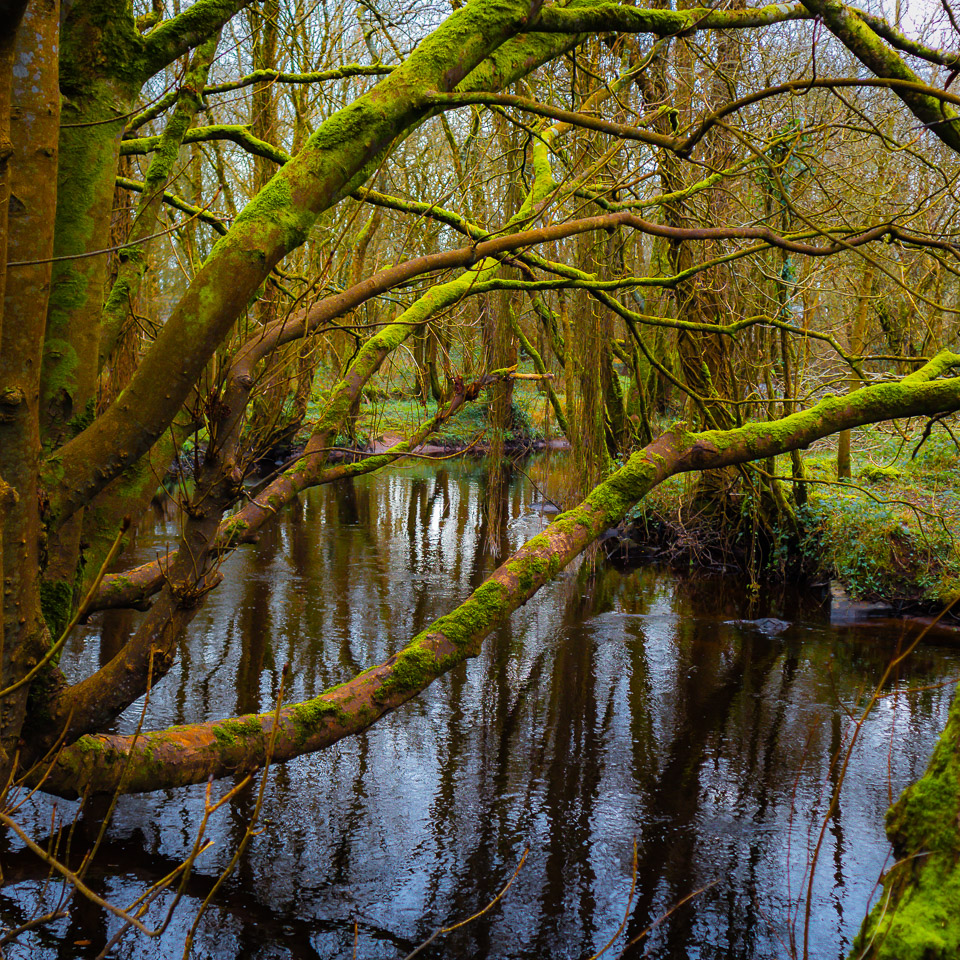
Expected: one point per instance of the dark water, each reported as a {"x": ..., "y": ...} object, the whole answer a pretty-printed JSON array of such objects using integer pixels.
[{"x": 615, "y": 708}]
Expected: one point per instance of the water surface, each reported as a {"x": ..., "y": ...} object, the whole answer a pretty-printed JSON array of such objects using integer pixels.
[{"x": 617, "y": 708}]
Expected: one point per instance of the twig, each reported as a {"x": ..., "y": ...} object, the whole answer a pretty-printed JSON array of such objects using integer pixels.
[{"x": 478, "y": 914}]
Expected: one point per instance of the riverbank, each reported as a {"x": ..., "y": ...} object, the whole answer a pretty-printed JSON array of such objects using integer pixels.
[{"x": 885, "y": 536}]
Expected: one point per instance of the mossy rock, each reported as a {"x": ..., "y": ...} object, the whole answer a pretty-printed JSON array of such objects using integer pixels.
[
  {"x": 874, "y": 474},
  {"x": 917, "y": 916}
]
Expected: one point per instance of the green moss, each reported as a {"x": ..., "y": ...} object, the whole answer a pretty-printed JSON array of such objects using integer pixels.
[
  {"x": 99, "y": 39},
  {"x": 56, "y": 604},
  {"x": 611, "y": 500},
  {"x": 87, "y": 167},
  {"x": 232, "y": 733},
  {"x": 413, "y": 670},
  {"x": 529, "y": 571},
  {"x": 923, "y": 924},
  {"x": 568, "y": 522},
  {"x": 59, "y": 356},
  {"x": 151, "y": 756},
  {"x": 84, "y": 418},
  {"x": 916, "y": 915},
  {"x": 311, "y": 715},
  {"x": 233, "y": 531},
  {"x": 475, "y": 616},
  {"x": 875, "y": 474},
  {"x": 926, "y": 816},
  {"x": 276, "y": 203},
  {"x": 117, "y": 584}
]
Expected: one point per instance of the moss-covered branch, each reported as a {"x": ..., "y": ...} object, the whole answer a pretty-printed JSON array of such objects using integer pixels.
[
  {"x": 905, "y": 44},
  {"x": 317, "y": 76},
  {"x": 864, "y": 43},
  {"x": 177, "y": 36},
  {"x": 178, "y": 203},
  {"x": 133, "y": 256},
  {"x": 165, "y": 102},
  {"x": 192, "y": 754},
  {"x": 608, "y": 15},
  {"x": 236, "y": 133}
]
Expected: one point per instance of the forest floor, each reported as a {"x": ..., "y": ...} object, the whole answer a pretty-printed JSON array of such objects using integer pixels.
[{"x": 393, "y": 417}]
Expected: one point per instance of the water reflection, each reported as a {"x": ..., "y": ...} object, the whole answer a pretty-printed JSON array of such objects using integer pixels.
[{"x": 617, "y": 706}]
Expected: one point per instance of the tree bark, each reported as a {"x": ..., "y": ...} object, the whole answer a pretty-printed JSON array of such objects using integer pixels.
[{"x": 33, "y": 196}]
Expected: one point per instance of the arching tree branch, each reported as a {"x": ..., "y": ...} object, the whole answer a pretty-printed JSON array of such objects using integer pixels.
[{"x": 194, "y": 753}]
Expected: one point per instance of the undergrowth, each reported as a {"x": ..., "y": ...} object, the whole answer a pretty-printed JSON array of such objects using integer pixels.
[
  {"x": 388, "y": 416},
  {"x": 888, "y": 534}
]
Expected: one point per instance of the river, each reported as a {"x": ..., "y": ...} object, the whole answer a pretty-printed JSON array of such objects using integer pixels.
[{"x": 618, "y": 711}]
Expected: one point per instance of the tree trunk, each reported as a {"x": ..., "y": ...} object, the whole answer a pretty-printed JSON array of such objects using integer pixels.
[{"x": 34, "y": 131}]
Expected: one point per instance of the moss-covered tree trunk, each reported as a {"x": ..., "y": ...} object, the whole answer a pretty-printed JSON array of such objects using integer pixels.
[
  {"x": 99, "y": 80},
  {"x": 129, "y": 494},
  {"x": 917, "y": 914},
  {"x": 712, "y": 295},
  {"x": 8, "y": 35},
  {"x": 103, "y": 63},
  {"x": 34, "y": 131}
]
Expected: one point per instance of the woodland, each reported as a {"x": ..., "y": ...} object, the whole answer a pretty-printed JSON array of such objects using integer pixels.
[{"x": 703, "y": 238}]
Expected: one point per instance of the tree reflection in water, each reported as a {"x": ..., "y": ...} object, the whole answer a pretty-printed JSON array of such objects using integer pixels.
[{"x": 619, "y": 706}]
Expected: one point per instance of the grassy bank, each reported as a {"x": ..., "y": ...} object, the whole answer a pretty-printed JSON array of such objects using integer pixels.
[
  {"x": 889, "y": 533},
  {"x": 383, "y": 416}
]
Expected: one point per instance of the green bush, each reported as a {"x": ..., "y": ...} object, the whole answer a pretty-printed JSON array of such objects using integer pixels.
[{"x": 870, "y": 547}]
